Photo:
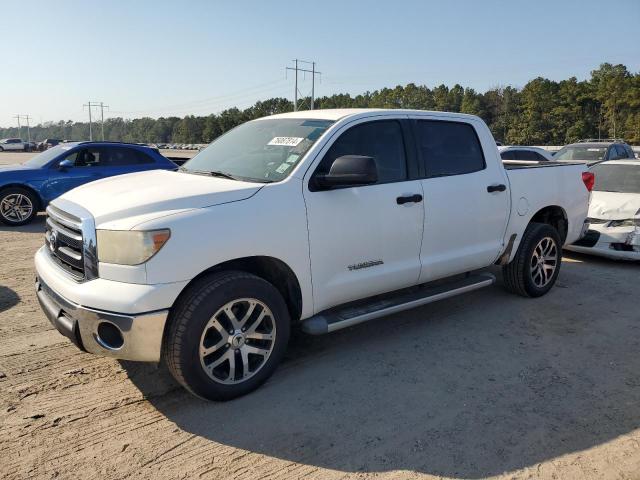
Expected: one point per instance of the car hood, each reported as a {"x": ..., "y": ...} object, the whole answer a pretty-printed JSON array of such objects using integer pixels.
[
  {"x": 614, "y": 205},
  {"x": 124, "y": 201}
]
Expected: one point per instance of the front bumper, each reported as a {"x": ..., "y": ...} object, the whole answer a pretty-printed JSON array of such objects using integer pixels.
[
  {"x": 128, "y": 337},
  {"x": 618, "y": 243}
]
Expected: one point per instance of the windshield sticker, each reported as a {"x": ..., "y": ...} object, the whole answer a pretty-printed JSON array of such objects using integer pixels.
[
  {"x": 283, "y": 167},
  {"x": 293, "y": 158},
  {"x": 595, "y": 149},
  {"x": 286, "y": 141}
]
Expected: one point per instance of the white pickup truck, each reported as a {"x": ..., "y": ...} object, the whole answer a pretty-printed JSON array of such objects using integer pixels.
[{"x": 322, "y": 219}]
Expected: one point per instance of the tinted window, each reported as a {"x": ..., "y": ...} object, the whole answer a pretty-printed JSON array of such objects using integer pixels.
[
  {"x": 540, "y": 157},
  {"x": 617, "y": 178},
  {"x": 527, "y": 155},
  {"x": 119, "y": 156},
  {"x": 449, "y": 148},
  {"x": 508, "y": 155},
  {"x": 380, "y": 140},
  {"x": 87, "y": 157}
]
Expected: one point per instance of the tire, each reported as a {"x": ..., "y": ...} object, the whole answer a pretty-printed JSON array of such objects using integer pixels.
[
  {"x": 1, "y": 149},
  {"x": 199, "y": 323},
  {"x": 18, "y": 206},
  {"x": 526, "y": 275}
]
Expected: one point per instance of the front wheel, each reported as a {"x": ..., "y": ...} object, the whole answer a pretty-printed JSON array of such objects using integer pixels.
[
  {"x": 535, "y": 268},
  {"x": 17, "y": 206},
  {"x": 226, "y": 335}
]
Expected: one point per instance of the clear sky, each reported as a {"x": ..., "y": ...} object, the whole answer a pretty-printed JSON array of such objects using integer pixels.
[{"x": 153, "y": 58}]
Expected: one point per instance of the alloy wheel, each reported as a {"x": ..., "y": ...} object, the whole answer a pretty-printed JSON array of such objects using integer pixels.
[
  {"x": 237, "y": 341},
  {"x": 544, "y": 262},
  {"x": 16, "y": 207}
]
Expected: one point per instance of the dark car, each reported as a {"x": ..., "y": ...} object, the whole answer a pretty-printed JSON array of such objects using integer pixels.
[
  {"x": 592, "y": 151},
  {"x": 28, "y": 188},
  {"x": 48, "y": 143}
]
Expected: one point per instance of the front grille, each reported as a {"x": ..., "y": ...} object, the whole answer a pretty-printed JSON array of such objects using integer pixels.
[{"x": 63, "y": 237}]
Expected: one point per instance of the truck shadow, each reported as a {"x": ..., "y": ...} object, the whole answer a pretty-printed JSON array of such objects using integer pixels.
[
  {"x": 8, "y": 298},
  {"x": 469, "y": 387}
]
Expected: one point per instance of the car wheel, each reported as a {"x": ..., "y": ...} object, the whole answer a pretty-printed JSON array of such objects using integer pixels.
[
  {"x": 535, "y": 268},
  {"x": 226, "y": 335},
  {"x": 18, "y": 206},
  {"x": 1, "y": 149}
]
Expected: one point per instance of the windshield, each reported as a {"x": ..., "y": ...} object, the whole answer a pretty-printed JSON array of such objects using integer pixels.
[
  {"x": 617, "y": 178},
  {"x": 45, "y": 157},
  {"x": 581, "y": 152},
  {"x": 261, "y": 150}
]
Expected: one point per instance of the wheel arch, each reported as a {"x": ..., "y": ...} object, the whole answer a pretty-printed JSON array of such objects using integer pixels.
[
  {"x": 271, "y": 269},
  {"x": 554, "y": 216},
  {"x": 36, "y": 194}
]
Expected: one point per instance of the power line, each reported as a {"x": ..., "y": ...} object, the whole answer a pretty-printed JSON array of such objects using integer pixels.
[
  {"x": 102, "y": 106},
  {"x": 27, "y": 118},
  {"x": 313, "y": 73}
]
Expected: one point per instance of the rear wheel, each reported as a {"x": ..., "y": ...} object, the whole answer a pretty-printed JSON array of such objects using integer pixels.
[
  {"x": 226, "y": 336},
  {"x": 536, "y": 266},
  {"x": 18, "y": 206}
]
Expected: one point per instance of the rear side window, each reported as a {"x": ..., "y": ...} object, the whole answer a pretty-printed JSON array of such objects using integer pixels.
[
  {"x": 508, "y": 155},
  {"x": 449, "y": 148},
  {"x": 121, "y": 156},
  {"x": 382, "y": 140},
  {"x": 527, "y": 155}
]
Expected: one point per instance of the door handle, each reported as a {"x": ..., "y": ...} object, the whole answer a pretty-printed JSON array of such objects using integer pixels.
[
  {"x": 409, "y": 199},
  {"x": 496, "y": 188}
]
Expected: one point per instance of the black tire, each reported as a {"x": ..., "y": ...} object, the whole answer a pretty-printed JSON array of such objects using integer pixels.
[
  {"x": 9, "y": 217},
  {"x": 190, "y": 317},
  {"x": 519, "y": 275},
  {"x": 1, "y": 149}
]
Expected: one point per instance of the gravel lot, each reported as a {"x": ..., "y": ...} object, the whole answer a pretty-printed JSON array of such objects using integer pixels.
[{"x": 483, "y": 385}]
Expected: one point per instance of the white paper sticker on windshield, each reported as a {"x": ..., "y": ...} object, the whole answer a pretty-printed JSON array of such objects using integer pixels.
[
  {"x": 285, "y": 141},
  {"x": 594, "y": 149},
  {"x": 283, "y": 168}
]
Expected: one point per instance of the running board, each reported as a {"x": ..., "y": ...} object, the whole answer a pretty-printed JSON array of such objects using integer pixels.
[{"x": 387, "y": 304}]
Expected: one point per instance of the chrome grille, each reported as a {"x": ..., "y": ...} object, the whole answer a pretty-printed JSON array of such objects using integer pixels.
[{"x": 64, "y": 240}]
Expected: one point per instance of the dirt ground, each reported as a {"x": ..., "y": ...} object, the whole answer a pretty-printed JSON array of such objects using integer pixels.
[{"x": 483, "y": 385}]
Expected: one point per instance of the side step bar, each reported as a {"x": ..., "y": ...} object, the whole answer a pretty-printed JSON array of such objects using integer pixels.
[{"x": 387, "y": 304}]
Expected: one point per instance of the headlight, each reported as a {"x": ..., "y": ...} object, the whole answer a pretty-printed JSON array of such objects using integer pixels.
[
  {"x": 130, "y": 247},
  {"x": 630, "y": 222}
]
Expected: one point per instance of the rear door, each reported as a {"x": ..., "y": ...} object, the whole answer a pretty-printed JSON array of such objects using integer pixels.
[
  {"x": 365, "y": 240},
  {"x": 466, "y": 196},
  {"x": 118, "y": 160}
]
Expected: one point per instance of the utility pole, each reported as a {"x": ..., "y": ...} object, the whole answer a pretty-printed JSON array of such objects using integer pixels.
[
  {"x": 313, "y": 73},
  {"x": 18, "y": 117},
  {"x": 102, "y": 106}
]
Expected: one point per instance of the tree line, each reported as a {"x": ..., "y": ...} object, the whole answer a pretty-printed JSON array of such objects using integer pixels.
[{"x": 543, "y": 112}]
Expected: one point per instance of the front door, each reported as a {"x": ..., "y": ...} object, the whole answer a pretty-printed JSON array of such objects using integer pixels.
[{"x": 364, "y": 240}]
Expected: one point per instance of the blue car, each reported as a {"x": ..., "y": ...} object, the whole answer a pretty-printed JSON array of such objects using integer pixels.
[{"x": 28, "y": 188}]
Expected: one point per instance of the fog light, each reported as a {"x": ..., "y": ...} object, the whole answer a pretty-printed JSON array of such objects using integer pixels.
[{"x": 109, "y": 336}]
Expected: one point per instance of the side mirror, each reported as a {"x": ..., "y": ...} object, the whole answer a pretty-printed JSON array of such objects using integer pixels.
[
  {"x": 349, "y": 171},
  {"x": 64, "y": 164}
]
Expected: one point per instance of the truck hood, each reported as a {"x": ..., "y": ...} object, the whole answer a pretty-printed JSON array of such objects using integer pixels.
[
  {"x": 124, "y": 201},
  {"x": 614, "y": 205}
]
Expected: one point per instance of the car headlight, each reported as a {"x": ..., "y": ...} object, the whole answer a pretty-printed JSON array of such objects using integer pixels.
[
  {"x": 130, "y": 247},
  {"x": 630, "y": 222}
]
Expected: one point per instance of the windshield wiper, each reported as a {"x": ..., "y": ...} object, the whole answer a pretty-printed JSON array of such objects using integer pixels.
[{"x": 208, "y": 173}]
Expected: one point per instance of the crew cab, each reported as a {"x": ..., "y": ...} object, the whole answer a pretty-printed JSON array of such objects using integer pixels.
[
  {"x": 317, "y": 219},
  {"x": 27, "y": 188}
]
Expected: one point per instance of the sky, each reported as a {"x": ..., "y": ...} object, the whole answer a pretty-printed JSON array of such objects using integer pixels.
[{"x": 159, "y": 58}]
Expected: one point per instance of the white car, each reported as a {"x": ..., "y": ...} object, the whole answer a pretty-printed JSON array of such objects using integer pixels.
[
  {"x": 614, "y": 212},
  {"x": 322, "y": 219},
  {"x": 12, "y": 144},
  {"x": 530, "y": 154}
]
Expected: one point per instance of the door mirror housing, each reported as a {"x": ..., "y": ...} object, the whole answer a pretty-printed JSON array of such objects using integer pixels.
[
  {"x": 65, "y": 164},
  {"x": 348, "y": 171}
]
